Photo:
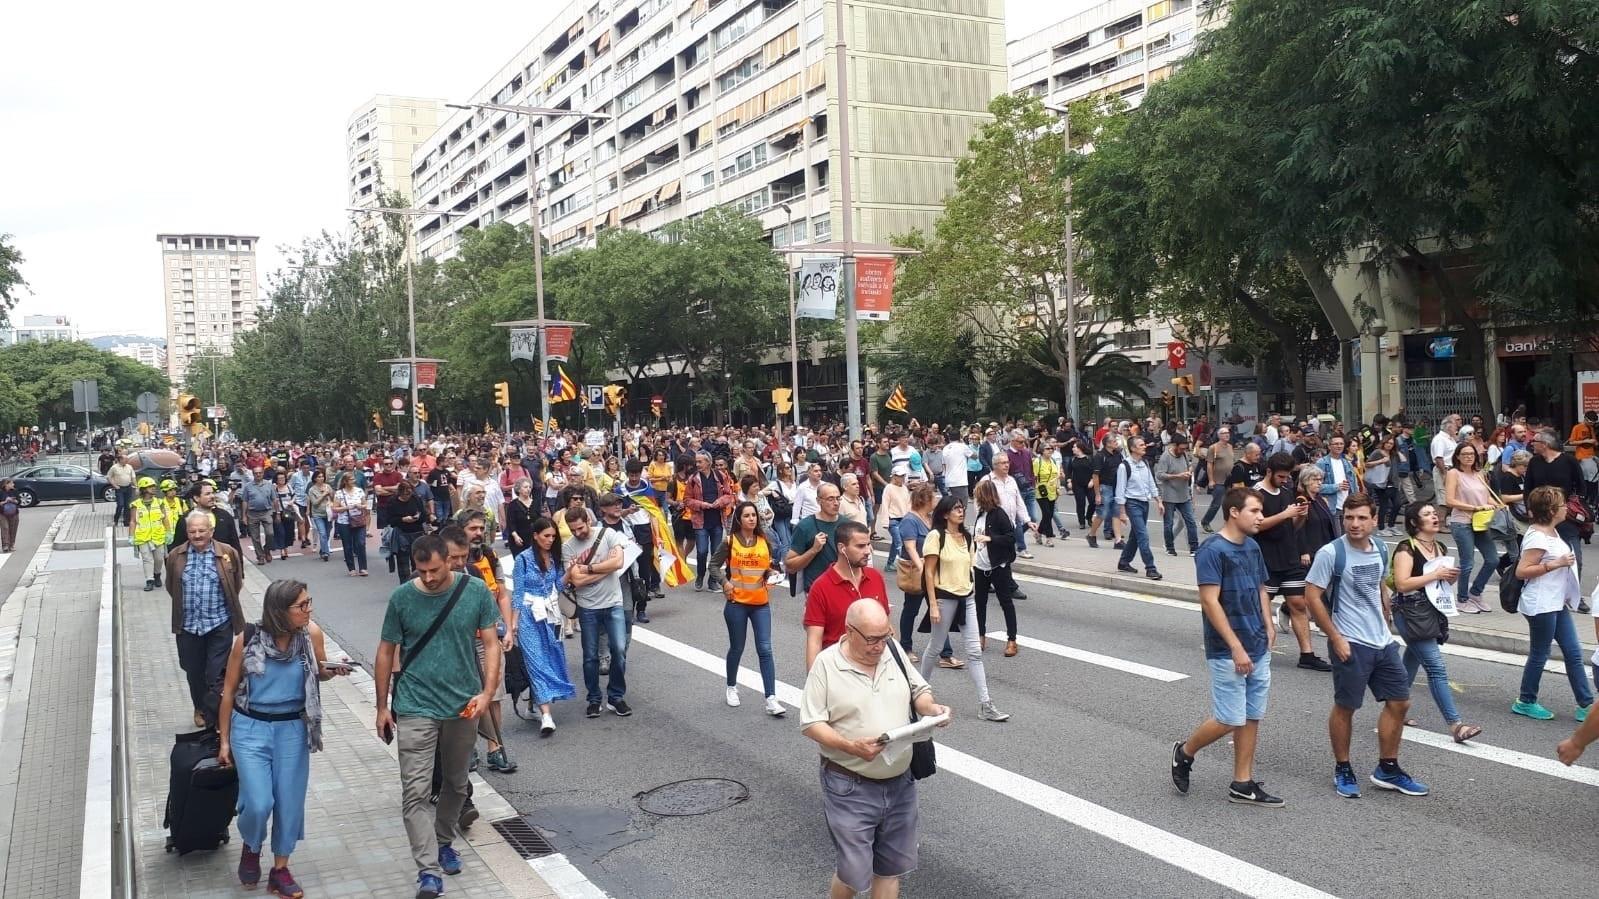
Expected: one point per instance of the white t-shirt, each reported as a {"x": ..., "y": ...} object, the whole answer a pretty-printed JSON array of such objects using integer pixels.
[
  {"x": 1554, "y": 590},
  {"x": 1443, "y": 447},
  {"x": 955, "y": 464}
]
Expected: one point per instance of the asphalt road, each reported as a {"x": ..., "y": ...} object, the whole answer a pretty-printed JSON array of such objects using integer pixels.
[{"x": 1071, "y": 797}]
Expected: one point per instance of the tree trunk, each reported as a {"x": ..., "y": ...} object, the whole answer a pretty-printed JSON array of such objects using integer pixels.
[
  {"x": 1472, "y": 345},
  {"x": 1327, "y": 298},
  {"x": 1288, "y": 345}
]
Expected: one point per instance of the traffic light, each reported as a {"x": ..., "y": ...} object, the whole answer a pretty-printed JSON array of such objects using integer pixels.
[
  {"x": 1166, "y": 399},
  {"x": 190, "y": 414},
  {"x": 1185, "y": 383},
  {"x": 782, "y": 398},
  {"x": 615, "y": 399},
  {"x": 656, "y": 405},
  {"x": 421, "y": 411},
  {"x": 377, "y": 420},
  {"x": 502, "y": 393}
]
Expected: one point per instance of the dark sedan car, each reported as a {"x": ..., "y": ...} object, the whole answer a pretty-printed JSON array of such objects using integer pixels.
[{"x": 54, "y": 481}]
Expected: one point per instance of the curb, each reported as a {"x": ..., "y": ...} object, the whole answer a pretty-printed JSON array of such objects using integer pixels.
[{"x": 71, "y": 514}]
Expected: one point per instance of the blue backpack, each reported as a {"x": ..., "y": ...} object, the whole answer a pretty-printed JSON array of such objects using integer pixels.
[{"x": 1329, "y": 597}]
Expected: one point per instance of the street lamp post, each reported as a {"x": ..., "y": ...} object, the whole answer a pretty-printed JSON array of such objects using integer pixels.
[
  {"x": 410, "y": 297},
  {"x": 530, "y": 113},
  {"x": 1072, "y": 376},
  {"x": 793, "y": 324}
]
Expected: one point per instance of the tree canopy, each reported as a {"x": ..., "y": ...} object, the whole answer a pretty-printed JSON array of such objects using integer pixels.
[
  {"x": 40, "y": 377},
  {"x": 11, "y": 283}
]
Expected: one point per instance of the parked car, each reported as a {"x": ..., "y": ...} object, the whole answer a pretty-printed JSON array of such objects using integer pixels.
[{"x": 50, "y": 481}]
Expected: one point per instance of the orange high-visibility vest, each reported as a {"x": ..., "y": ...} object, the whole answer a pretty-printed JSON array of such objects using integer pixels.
[{"x": 749, "y": 567}]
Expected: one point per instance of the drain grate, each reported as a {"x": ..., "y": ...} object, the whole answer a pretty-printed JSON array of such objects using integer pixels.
[
  {"x": 697, "y": 796},
  {"x": 523, "y": 837}
]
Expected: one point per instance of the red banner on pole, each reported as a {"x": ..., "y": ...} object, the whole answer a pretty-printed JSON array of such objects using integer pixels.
[
  {"x": 874, "y": 287},
  {"x": 427, "y": 374},
  {"x": 1177, "y": 355},
  {"x": 557, "y": 343}
]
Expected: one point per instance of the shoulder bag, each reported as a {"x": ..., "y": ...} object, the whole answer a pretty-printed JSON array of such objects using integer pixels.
[
  {"x": 908, "y": 575},
  {"x": 924, "y": 757},
  {"x": 1422, "y": 619},
  {"x": 568, "y": 597},
  {"x": 427, "y": 637}
]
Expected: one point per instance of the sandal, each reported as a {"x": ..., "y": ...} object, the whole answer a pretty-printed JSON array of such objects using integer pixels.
[
  {"x": 1464, "y": 732},
  {"x": 951, "y": 663}
]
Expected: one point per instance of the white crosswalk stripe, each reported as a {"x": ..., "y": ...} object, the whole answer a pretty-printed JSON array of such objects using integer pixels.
[{"x": 1094, "y": 658}]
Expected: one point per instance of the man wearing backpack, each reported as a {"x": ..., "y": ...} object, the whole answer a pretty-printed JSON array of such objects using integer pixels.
[{"x": 1349, "y": 600}]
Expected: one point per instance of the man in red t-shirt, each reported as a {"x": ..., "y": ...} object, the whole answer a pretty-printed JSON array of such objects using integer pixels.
[{"x": 849, "y": 579}]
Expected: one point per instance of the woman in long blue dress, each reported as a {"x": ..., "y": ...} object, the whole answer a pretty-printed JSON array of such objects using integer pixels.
[{"x": 539, "y": 579}]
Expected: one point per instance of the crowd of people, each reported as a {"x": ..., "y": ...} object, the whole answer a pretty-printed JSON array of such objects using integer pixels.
[{"x": 594, "y": 526}]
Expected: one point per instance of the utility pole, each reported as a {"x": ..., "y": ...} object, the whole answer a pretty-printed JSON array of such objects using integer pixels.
[
  {"x": 1072, "y": 376},
  {"x": 846, "y": 208}
]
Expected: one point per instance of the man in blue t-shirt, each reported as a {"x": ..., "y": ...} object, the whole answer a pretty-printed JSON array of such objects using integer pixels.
[
  {"x": 1362, "y": 650},
  {"x": 1238, "y": 637}
]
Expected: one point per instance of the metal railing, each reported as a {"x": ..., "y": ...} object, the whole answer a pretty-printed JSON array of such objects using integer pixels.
[{"x": 108, "y": 867}]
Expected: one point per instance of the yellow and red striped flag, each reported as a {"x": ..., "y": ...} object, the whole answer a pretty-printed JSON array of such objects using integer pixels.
[
  {"x": 674, "y": 571},
  {"x": 897, "y": 402}
]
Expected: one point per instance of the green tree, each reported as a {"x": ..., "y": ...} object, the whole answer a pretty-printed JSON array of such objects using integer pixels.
[
  {"x": 43, "y": 373},
  {"x": 18, "y": 408},
  {"x": 11, "y": 283}
]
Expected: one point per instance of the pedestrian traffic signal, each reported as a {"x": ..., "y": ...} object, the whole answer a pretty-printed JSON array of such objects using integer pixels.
[
  {"x": 782, "y": 398},
  {"x": 1185, "y": 383},
  {"x": 421, "y": 411},
  {"x": 189, "y": 412},
  {"x": 615, "y": 399},
  {"x": 502, "y": 394}
]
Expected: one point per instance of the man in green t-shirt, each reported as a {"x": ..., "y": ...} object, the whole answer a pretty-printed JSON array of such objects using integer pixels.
[
  {"x": 437, "y": 699},
  {"x": 882, "y": 469},
  {"x": 811, "y": 547}
]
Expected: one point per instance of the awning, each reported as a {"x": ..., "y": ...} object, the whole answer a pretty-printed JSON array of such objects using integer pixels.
[
  {"x": 701, "y": 7},
  {"x": 780, "y": 46},
  {"x": 633, "y": 207},
  {"x": 815, "y": 75},
  {"x": 727, "y": 118},
  {"x": 609, "y": 220},
  {"x": 707, "y": 134},
  {"x": 661, "y": 114},
  {"x": 576, "y": 31},
  {"x": 781, "y": 93},
  {"x": 604, "y": 42},
  {"x": 791, "y": 131},
  {"x": 669, "y": 190}
]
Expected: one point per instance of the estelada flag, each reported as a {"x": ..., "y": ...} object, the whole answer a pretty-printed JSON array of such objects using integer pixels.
[
  {"x": 674, "y": 570},
  {"x": 897, "y": 401},
  {"x": 538, "y": 426},
  {"x": 562, "y": 389}
]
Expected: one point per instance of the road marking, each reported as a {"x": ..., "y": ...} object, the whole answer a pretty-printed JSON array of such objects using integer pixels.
[
  {"x": 1094, "y": 658},
  {"x": 1555, "y": 666},
  {"x": 1525, "y": 761},
  {"x": 565, "y": 878},
  {"x": 1202, "y": 861}
]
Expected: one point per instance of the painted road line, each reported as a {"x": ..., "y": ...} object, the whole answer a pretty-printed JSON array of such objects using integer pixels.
[
  {"x": 1527, "y": 762},
  {"x": 1554, "y": 666},
  {"x": 565, "y": 879},
  {"x": 1094, "y": 658},
  {"x": 1202, "y": 861}
]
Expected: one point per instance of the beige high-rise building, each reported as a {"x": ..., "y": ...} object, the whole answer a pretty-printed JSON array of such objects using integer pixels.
[
  {"x": 209, "y": 284},
  {"x": 382, "y": 134}
]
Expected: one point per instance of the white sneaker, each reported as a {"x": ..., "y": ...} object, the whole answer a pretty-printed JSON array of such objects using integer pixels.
[
  {"x": 775, "y": 708},
  {"x": 732, "y": 697},
  {"x": 546, "y": 725}
]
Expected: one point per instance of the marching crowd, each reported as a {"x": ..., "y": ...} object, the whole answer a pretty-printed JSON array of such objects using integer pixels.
[{"x": 594, "y": 526}]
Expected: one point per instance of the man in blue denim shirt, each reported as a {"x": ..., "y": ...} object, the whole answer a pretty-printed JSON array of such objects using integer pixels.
[{"x": 204, "y": 577}]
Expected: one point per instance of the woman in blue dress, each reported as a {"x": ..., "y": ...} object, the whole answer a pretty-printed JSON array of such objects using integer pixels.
[{"x": 539, "y": 579}]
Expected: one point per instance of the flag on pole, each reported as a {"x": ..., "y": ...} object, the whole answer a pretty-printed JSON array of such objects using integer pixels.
[
  {"x": 562, "y": 388},
  {"x": 538, "y": 426},
  {"x": 674, "y": 571},
  {"x": 896, "y": 401},
  {"x": 554, "y": 425}
]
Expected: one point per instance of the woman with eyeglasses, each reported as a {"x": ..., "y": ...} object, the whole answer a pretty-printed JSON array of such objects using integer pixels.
[
  {"x": 948, "y": 556},
  {"x": 270, "y": 723}
]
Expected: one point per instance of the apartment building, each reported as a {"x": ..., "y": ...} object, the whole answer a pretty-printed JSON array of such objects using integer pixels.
[
  {"x": 382, "y": 135},
  {"x": 39, "y": 329},
  {"x": 209, "y": 284},
  {"x": 153, "y": 355}
]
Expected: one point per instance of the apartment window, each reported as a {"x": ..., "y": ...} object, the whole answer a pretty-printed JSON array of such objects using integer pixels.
[
  {"x": 1070, "y": 47},
  {"x": 739, "y": 26},
  {"x": 702, "y": 181},
  {"x": 630, "y": 98},
  {"x": 813, "y": 29},
  {"x": 1129, "y": 57},
  {"x": 745, "y": 161},
  {"x": 740, "y": 73},
  {"x": 753, "y": 203},
  {"x": 822, "y": 227},
  {"x": 799, "y": 231},
  {"x": 1132, "y": 340},
  {"x": 1129, "y": 24}
]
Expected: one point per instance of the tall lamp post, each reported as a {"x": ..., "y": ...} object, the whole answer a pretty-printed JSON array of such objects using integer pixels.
[
  {"x": 410, "y": 296},
  {"x": 1072, "y": 376},
  {"x": 793, "y": 322},
  {"x": 530, "y": 113}
]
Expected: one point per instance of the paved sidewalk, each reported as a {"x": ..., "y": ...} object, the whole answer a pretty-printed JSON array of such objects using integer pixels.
[
  {"x": 49, "y": 634},
  {"x": 1071, "y": 560},
  {"x": 84, "y": 528},
  {"x": 355, "y": 842}
]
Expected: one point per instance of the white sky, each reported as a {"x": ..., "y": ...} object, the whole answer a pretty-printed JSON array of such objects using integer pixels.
[{"x": 123, "y": 120}]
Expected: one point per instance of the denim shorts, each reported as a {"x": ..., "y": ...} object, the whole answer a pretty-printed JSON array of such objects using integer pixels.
[
  {"x": 873, "y": 824},
  {"x": 1236, "y": 698},
  {"x": 1383, "y": 670}
]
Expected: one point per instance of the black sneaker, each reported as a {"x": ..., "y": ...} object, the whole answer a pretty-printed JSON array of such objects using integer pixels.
[
  {"x": 1093, "y": 542},
  {"x": 621, "y": 708},
  {"x": 1312, "y": 662},
  {"x": 593, "y": 711},
  {"x": 1206, "y": 529},
  {"x": 1171, "y": 552},
  {"x": 1018, "y": 595},
  {"x": 1119, "y": 544},
  {"x": 1181, "y": 766},
  {"x": 1153, "y": 575},
  {"x": 1250, "y": 793},
  {"x": 1126, "y": 568},
  {"x": 641, "y": 617}
]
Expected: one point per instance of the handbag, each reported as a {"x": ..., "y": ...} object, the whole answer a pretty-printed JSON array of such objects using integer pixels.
[
  {"x": 1501, "y": 524},
  {"x": 924, "y": 758},
  {"x": 908, "y": 576},
  {"x": 357, "y": 516},
  {"x": 1422, "y": 620}
]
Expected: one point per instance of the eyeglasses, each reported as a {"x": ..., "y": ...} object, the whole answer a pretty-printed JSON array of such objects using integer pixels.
[
  {"x": 302, "y": 606},
  {"x": 870, "y": 641}
]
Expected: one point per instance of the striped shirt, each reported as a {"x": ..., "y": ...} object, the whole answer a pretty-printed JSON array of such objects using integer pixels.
[
  {"x": 1138, "y": 483},
  {"x": 205, "y": 608}
]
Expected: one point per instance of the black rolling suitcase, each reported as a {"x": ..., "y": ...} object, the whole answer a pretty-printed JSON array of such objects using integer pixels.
[{"x": 203, "y": 795}]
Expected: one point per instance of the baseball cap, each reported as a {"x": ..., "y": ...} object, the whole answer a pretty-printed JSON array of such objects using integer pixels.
[{"x": 901, "y": 470}]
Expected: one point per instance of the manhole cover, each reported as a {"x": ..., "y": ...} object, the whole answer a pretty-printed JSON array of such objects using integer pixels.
[{"x": 699, "y": 796}]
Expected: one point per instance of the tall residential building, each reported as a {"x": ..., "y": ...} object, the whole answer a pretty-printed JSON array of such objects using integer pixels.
[
  {"x": 720, "y": 102},
  {"x": 382, "y": 135},
  {"x": 209, "y": 286},
  {"x": 39, "y": 329},
  {"x": 149, "y": 354}
]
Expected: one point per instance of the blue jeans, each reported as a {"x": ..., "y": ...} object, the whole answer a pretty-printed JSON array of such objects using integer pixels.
[
  {"x": 1425, "y": 654},
  {"x": 274, "y": 765},
  {"x": 613, "y": 621},
  {"x": 1107, "y": 508},
  {"x": 736, "y": 614},
  {"x": 782, "y": 535},
  {"x": 1466, "y": 540},
  {"x": 324, "y": 534},
  {"x": 895, "y": 542},
  {"x": 441, "y": 509},
  {"x": 1030, "y": 499},
  {"x": 1186, "y": 507},
  {"x": 707, "y": 539},
  {"x": 1217, "y": 491},
  {"x": 354, "y": 542},
  {"x": 124, "y": 503},
  {"x": 1138, "y": 534},
  {"x": 1541, "y": 630}
]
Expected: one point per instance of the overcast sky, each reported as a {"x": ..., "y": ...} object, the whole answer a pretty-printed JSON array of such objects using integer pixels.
[{"x": 122, "y": 120}]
